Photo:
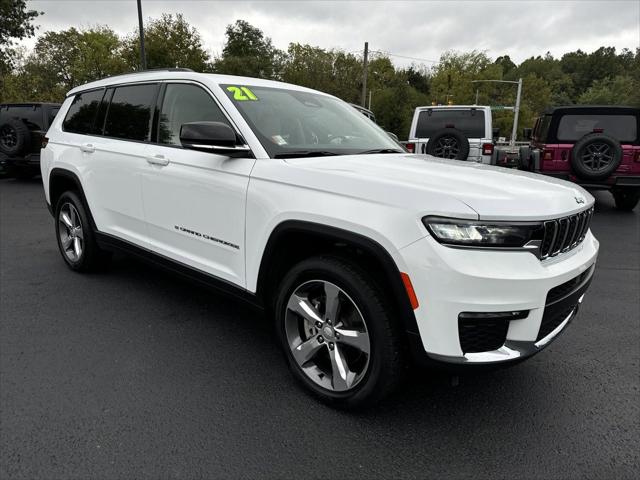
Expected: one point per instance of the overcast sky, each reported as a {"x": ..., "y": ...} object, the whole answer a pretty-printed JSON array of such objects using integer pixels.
[{"x": 407, "y": 28}]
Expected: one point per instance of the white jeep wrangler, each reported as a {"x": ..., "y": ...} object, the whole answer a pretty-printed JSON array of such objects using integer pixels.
[
  {"x": 365, "y": 256},
  {"x": 456, "y": 132}
]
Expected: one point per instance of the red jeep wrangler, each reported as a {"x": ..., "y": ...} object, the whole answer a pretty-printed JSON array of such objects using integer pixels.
[{"x": 597, "y": 147}]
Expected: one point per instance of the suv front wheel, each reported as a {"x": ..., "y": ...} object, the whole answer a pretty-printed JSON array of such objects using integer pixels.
[{"x": 337, "y": 332}]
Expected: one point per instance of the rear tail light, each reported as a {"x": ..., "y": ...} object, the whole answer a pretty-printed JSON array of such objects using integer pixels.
[
  {"x": 547, "y": 155},
  {"x": 487, "y": 148},
  {"x": 44, "y": 143},
  {"x": 598, "y": 130},
  {"x": 411, "y": 147}
]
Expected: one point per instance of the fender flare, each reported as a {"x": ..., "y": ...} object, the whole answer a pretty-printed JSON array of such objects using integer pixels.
[
  {"x": 73, "y": 178},
  {"x": 388, "y": 264}
]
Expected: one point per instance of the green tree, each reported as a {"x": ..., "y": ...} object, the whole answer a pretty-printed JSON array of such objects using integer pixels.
[
  {"x": 169, "y": 42},
  {"x": 62, "y": 60},
  {"x": 16, "y": 23},
  {"x": 248, "y": 52},
  {"x": 620, "y": 90}
]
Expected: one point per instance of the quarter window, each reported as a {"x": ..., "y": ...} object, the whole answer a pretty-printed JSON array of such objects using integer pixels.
[
  {"x": 129, "y": 114},
  {"x": 82, "y": 112},
  {"x": 185, "y": 103}
]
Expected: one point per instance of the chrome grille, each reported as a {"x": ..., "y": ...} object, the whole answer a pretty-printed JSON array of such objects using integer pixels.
[{"x": 563, "y": 234}]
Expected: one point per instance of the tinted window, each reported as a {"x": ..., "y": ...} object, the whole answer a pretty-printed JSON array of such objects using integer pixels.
[
  {"x": 129, "y": 113},
  {"x": 542, "y": 128},
  {"x": 621, "y": 127},
  {"x": 82, "y": 112},
  {"x": 470, "y": 122},
  {"x": 52, "y": 114},
  {"x": 185, "y": 103},
  {"x": 31, "y": 115}
]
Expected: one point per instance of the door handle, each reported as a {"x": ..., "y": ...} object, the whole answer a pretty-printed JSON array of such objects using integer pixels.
[
  {"x": 87, "y": 148},
  {"x": 158, "y": 160}
]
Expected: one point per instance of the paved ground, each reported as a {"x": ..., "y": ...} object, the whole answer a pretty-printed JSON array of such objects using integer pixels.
[{"x": 134, "y": 374}]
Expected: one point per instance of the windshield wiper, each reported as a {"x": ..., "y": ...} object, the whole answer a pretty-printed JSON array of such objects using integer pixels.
[
  {"x": 305, "y": 153},
  {"x": 381, "y": 150}
]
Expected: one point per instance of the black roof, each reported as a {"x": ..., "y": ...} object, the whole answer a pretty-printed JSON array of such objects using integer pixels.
[{"x": 592, "y": 108}]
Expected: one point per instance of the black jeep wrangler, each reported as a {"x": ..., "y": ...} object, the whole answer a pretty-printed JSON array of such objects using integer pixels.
[{"x": 22, "y": 128}]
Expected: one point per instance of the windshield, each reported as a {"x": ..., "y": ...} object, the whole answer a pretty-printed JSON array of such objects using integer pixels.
[{"x": 290, "y": 122}]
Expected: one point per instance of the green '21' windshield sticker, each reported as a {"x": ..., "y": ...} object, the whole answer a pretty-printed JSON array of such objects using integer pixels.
[{"x": 242, "y": 94}]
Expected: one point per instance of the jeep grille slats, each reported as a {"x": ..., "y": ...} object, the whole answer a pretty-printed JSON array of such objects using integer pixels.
[{"x": 565, "y": 233}]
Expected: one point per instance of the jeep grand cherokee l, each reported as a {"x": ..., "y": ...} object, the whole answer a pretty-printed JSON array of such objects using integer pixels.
[{"x": 365, "y": 256}]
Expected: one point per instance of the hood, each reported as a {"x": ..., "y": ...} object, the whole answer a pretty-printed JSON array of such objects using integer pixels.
[{"x": 494, "y": 193}]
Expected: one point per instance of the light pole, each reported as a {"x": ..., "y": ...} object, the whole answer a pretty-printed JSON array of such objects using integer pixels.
[
  {"x": 516, "y": 109},
  {"x": 143, "y": 57},
  {"x": 365, "y": 65}
]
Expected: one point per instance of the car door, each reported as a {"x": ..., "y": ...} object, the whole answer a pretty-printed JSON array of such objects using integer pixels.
[
  {"x": 194, "y": 201},
  {"x": 117, "y": 160}
]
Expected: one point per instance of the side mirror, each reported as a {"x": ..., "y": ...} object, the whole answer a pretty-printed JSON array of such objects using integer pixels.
[
  {"x": 495, "y": 132},
  {"x": 215, "y": 137},
  {"x": 526, "y": 133},
  {"x": 393, "y": 135}
]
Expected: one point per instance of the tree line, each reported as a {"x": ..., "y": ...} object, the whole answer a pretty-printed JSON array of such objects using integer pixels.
[{"x": 64, "y": 59}]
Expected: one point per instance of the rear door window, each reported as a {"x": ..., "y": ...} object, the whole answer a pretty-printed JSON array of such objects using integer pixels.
[
  {"x": 82, "y": 112},
  {"x": 621, "y": 127},
  {"x": 129, "y": 113},
  {"x": 31, "y": 115},
  {"x": 470, "y": 122},
  {"x": 185, "y": 103}
]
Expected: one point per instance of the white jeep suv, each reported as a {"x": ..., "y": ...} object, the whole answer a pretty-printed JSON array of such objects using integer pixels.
[{"x": 365, "y": 256}]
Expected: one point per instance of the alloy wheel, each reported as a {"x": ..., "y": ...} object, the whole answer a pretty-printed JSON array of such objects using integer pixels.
[
  {"x": 8, "y": 136},
  {"x": 70, "y": 232},
  {"x": 447, "y": 147},
  {"x": 597, "y": 156},
  {"x": 327, "y": 335}
]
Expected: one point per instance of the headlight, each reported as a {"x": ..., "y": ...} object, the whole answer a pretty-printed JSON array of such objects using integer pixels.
[{"x": 472, "y": 233}]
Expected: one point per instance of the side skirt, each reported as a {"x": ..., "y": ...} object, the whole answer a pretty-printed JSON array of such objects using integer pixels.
[{"x": 111, "y": 243}]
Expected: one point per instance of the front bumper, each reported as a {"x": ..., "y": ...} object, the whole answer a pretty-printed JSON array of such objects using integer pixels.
[{"x": 449, "y": 281}]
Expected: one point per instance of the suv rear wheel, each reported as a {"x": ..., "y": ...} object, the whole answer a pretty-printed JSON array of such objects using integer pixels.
[
  {"x": 76, "y": 239},
  {"x": 337, "y": 332},
  {"x": 626, "y": 198}
]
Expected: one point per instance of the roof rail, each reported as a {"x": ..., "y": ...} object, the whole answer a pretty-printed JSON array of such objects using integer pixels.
[{"x": 167, "y": 69}]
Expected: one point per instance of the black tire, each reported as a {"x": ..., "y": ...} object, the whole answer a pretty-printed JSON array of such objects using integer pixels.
[
  {"x": 524, "y": 158},
  {"x": 92, "y": 258},
  {"x": 459, "y": 145},
  {"x": 386, "y": 364},
  {"x": 596, "y": 156},
  {"x": 15, "y": 138},
  {"x": 626, "y": 198}
]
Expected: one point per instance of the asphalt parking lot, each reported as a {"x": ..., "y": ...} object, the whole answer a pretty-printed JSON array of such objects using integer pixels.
[{"x": 133, "y": 373}]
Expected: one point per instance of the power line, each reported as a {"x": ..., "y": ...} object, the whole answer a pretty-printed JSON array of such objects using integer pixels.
[{"x": 405, "y": 56}]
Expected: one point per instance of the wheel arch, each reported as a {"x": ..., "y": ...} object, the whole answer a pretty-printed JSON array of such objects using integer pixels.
[
  {"x": 294, "y": 240},
  {"x": 62, "y": 180}
]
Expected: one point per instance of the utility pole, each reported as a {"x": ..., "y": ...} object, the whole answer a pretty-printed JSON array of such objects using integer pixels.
[
  {"x": 516, "y": 108},
  {"x": 370, "y": 91},
  {"x": 143, "y": 57},
  {"x": 364, "y": 74},
  {"x": 516, "y": 111}
]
